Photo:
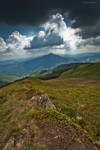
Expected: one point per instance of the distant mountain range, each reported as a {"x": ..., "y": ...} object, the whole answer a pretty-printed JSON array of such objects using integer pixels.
[{"x": 26, "y": 67}]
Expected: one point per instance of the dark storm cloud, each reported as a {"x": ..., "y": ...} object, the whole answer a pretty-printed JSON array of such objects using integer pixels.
[
  {"x": 34, "y": 12},
  {"x": 91, "y": 31},
  {"x": 46, "y": 41}
]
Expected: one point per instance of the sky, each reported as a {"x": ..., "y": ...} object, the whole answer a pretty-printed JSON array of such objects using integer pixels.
[{"x": 31, "y": 28}]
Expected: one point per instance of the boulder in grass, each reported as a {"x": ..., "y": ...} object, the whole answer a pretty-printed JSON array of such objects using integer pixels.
[
  {"x": 43, "y": 101},
  {"x": 46, "y": 102}
]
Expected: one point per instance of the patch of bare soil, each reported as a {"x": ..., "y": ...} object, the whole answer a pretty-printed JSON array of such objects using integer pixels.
[{"x": 56, "y": 138}]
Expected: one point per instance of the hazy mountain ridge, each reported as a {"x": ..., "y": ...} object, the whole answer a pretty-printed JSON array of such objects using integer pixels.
[
  {"x": 27, "y": 67},
  {"x": 55, "y": 72},
  {"x": 44, "y": 67}
]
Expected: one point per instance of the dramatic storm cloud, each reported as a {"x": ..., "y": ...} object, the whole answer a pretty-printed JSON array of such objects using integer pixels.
[
  {"x": 32, "y": 12},
  {"x": 56, "y": 33},
  {"x": 59, "y": 30},
  {"x": 36, "y": 12},
  {"x": 55, "y": 37}
]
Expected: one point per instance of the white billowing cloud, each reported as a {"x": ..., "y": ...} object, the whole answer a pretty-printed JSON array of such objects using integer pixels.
[
  {"x": 49, "y": 37},
  {"x": 56, "y": 33},
  {"x": 88, "y": 45},
  {"x": 17, "y": 42},
  {"x": 3, "y": 45},
  {"x": 15, "y": 46},
  {"x": 55, "y": 37},
  {"x": 41, "y": 34},
  {"x": 57, "y": 24}
]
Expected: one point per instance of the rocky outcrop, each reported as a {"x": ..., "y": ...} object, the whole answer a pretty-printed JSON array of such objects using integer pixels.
[{"x": 44, "y": 102}]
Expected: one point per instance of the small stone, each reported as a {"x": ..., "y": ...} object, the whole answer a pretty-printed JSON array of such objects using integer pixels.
[
  {"x": 9, "y": 145},
  {"x": 33, "y": 98},
  {"x": 18, "y": 145}
]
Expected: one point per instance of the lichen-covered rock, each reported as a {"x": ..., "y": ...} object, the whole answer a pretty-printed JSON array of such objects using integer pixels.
[
  {"x": 43, "y": 101},
  {"x": 46, "y": 102},
  {"x": 10, "y": 144}
]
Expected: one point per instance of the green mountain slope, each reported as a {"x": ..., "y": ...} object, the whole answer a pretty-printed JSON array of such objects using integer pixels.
[
  {"x": 88, "y": 71},
  {"x": 54, "y": 72},
  {"x": 7, "y": 79},
  {"x": 41, "y": 115}
]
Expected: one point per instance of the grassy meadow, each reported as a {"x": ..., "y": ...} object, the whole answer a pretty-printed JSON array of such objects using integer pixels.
[{"x": 77, "y": 102}]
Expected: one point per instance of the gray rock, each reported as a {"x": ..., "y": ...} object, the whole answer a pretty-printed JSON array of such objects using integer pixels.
[
  {"x": 10, "y": 144},
  {"x": 18, "y": 145},
  {"x": 46, "y": 103}
]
